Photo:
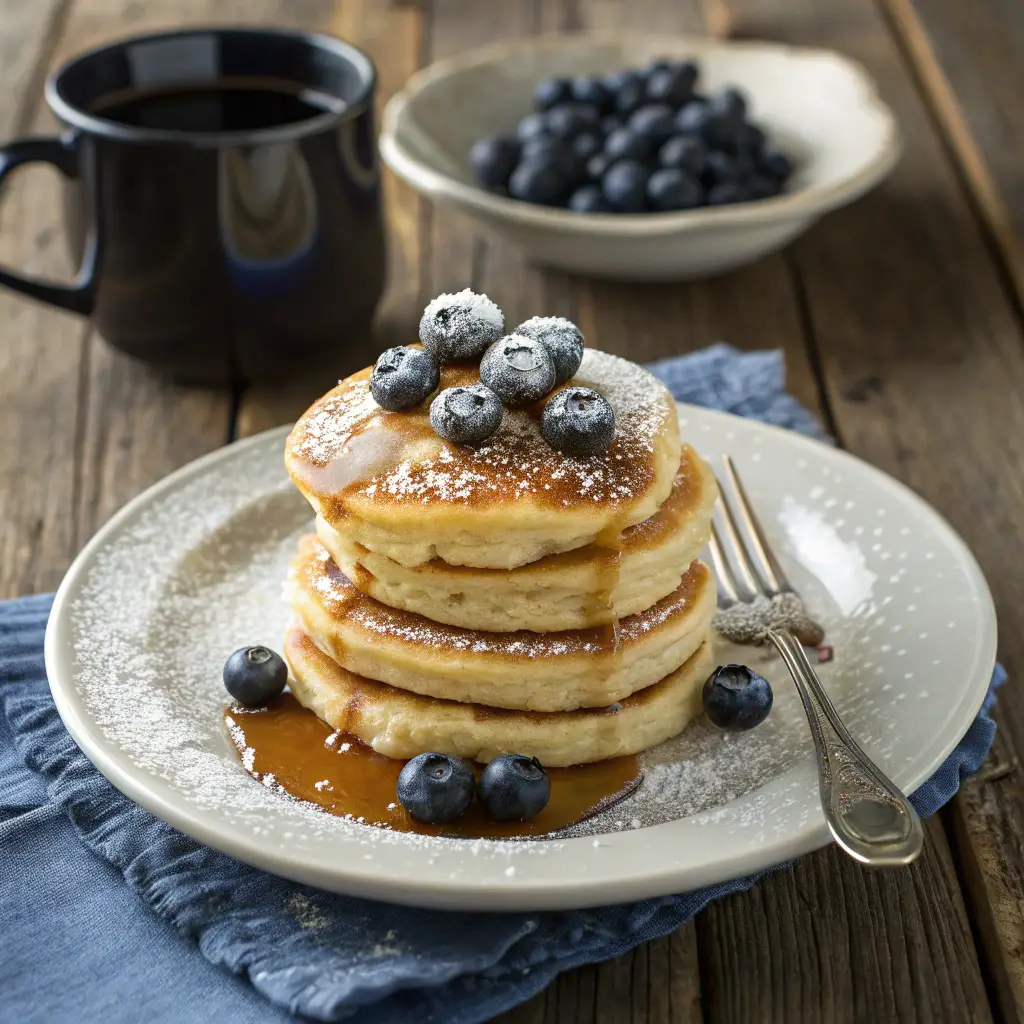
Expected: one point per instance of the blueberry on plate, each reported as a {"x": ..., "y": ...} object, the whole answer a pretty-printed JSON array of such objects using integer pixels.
[
  {"x": 460, "y": 325},
  {"x": 626, "y": 144},
  {"x": 656, "y": 122},
  {"x": 255, "y": 675},
  {"x": 494, "y": 159},
  {"x": 696, "y": 118},
  {"x": 436, "y": 788},
  {"x": 571, "y": 119},
  {"x": 466, "y": 415},
  {"x": 730, "y": 105},
  {"x": 684, "y": 152},
  {"x": 588, "y": 199},
  {"x": 549, "y": 149},
  {"x": 654, "y": 66},
  {"x": 615, "y": 80},
  {"x": 736, "y": 697},
  {"x": 726, "y": 193},
  {"x": 774, "y": 165},
  {"x": 672, "y": 85},
  {"x": 590, "y": 90},
  {"x": 719, "y": 167},
  {"x": 628, "y": 97},
  {"x": 550, "y": 92},
  {"x": 561, "y": 337},
  {"x": 578, "y": 422},
  {"x": 402, "y": 377},
  {"x": 513, "y": 786},
  {"x": 749, "y": 139},
  {"x": 597, "y": 165},
  {"x": 531, "y": 126},
  {"x": 624, "y": 186},
  {"x": 609, "y": 123},
  {"x": 587, "y": 145},
  {"x": 518, "y": 369},
  {"x": 672, "y": 189},
  {"x": 539, "y": 181},
  {"x": 760, "y": 187}
]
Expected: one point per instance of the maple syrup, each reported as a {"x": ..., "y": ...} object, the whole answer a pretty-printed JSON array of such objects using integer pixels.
[{"x": 344, "y": 777}]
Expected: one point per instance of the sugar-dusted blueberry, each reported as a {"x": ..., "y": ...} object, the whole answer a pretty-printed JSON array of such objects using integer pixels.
[
  {"x": 255, "y": 675},
  {"x": 684, "y": 152},
  {"x": 519, "y": 370},
  {"x": 672, "y": 189},
  {"x": 625, "y": 186},
  {"x": 626, "y": 144},
  {"x": 561, "y": 337},
  {"x": 494, "y": 159},
  {"x": 725, "y": 193},
  {"x": 541, "y": 182},
  {"x": 588, "y": 199},
  {"x": 655, "y": 121},
  {"x": 402, "y": 377},
  {"x": 570, "y": 119},
  {"x": 549, "y": 149},
  {"x": 736, "y": 697},
  {"x": 513, "y": 787},
  {"x": 579, "y": 422},
  {"x": 672, "y": 85},
  {"x": 628, "y": 97},
  {"x": 552, "y": 91},
  {"x": 468, "y": 414},
  {"x": 774, "y": 165},
  {"x": 597, "y": 165},
  {"x": 436, "y": 788},
  {"x": 460, "y": 325},
  {"x": 586, "y": 145},
  {"x": 531, "y": 126},
  {"x": 590, "y": 90}
]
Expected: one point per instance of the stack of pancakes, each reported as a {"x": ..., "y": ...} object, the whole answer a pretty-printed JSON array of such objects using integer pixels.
[{"x": 503, "y": 599}]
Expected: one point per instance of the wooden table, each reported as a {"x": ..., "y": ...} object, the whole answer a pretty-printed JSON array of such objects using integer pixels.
[{"x": 902, "y": 319}]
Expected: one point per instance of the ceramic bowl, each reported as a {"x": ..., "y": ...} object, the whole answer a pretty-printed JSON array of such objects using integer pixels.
[{"x": 817, "y": 106}]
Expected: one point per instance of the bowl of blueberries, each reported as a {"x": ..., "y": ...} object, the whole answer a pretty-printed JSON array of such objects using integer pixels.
[{"x": 641, "y": 157}]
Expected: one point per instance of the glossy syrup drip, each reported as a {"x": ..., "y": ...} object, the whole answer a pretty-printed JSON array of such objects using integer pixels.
[{"x": 342, "y": 776}]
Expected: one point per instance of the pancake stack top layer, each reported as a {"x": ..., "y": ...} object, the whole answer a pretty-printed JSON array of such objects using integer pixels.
[{"x": 468, "y": 599}]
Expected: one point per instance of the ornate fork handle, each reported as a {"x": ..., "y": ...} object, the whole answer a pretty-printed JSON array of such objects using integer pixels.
[{"x": 867, "y": 815}]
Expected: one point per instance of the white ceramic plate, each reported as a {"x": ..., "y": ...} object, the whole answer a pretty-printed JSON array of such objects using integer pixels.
[
  {"x": 821, "y": 108},
  {"x": 192, "y": 569}
]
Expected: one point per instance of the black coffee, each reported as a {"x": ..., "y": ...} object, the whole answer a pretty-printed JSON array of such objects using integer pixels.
[{"x": 229, "y": 105}]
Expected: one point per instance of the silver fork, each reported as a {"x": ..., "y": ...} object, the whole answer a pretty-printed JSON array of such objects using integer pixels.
[{"x": 866, "y": 813}]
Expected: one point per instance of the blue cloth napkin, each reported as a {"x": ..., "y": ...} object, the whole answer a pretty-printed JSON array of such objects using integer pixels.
[{"x": 105, "y": 909}]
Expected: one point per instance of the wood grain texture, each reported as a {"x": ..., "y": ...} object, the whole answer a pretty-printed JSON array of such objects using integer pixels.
[{"x": 968, "y": 59}]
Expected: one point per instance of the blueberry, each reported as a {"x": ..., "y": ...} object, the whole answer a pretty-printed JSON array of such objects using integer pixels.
[
  {"x": 749, "y": 139},
  {"x": 590, "y": 90},
  {"x": 402, "y": 377},
  {"x": 547, "y": 149},
  {"x": 719, "y": 167},
  {"x": 570, "y": 119},
  {"x": 672, "y": 85},
  {"x": 578, "y": 422},
  {"x": 597, "y": 165},
  {"x": 494, "y": 159},
  {"x": 625, "y": 186},
  {"x": 673, "y": 189},
  {"x": 550, "y": 92},
  {"x": 518, "y": 370},
  {"x": 513, "y": 786},
  {"x": 586, "y": 145},
  {"x": 656, "y": 122},
  {"x": 684, "y": 152},
  {"x": 761, "y": 188},
  {"x": 254, "y": 675},
  {"x": 626, "y": 144},
  {"x": 561, "y": 337},
  {"x": 725, "y": 193},
  {"x": 774, "y": 165},
  {"x": 460, "y": 326},
  {"x": 730, "y": 105},
  {"x": 588, "y": 199},
  {"x": 531, "y": 126},
  {"x": 610, "y": 122},
  {"x": 466, "y": 415},
  {"x": 696, "y": 118},
  {"x": 435, "y": 788},
  {"x": 614, "y": 81},
  {"x": 736, "y": 697},
  {"x": 629, "y": 97},
  {"x": 655, "y": 66},
  {"x": 541, "y": 182}
]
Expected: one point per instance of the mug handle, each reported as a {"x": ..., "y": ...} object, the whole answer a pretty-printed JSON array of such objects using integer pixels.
[{"x": 62, "y": 153}]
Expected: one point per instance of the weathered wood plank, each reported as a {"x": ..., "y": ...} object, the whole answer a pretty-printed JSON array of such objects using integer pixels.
[{"x": 968, "y": 59}]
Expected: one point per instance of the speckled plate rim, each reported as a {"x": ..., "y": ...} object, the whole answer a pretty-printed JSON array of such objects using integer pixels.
[{"x": 677, "y": 856}]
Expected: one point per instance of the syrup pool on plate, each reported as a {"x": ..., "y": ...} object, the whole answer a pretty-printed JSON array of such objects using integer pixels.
[{"x": 286, "y": 745}]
